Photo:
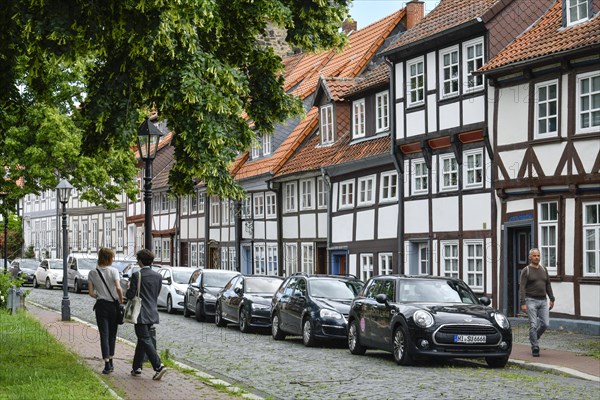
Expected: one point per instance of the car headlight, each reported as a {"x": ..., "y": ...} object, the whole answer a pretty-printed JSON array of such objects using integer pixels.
[
  {"x": 325, "y": 313},
  {"x": 256, "y": 306},
  {"x": 423, "y": 319},
  {"x": 501, "y": 320},
  {"x": 179, "y": 292}
]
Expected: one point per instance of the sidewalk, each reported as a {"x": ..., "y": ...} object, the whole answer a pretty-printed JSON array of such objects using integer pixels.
[{"x": 80, "y": 337}]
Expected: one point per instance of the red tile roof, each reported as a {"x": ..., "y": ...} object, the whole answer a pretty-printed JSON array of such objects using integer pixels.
[
  {"x": 547, "y": 37},
  {"x": 448, "y": 14}
]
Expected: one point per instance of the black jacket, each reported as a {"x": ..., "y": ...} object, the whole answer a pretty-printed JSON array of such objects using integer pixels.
[{"x": 149, "y": 291}]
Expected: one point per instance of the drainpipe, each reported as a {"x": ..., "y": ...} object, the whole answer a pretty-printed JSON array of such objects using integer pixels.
[
  {"x": 277, "y": 189},
  {"x": 238, "y": 234},
  {"x": 327, "y": 181},
  {"x": 399, "y": 164}
]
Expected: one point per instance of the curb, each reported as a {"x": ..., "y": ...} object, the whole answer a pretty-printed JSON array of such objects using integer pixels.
[{"x": 556, "y": 369}]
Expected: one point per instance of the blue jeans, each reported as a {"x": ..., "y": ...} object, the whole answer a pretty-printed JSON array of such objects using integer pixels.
[
  {"x": 106, "y": 319},
  {"x": 145, "y": 346},
  {"x": 539, "y": 319}
]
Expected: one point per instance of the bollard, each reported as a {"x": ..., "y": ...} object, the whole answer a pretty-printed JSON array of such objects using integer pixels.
[{"x": 12, "y": 299}]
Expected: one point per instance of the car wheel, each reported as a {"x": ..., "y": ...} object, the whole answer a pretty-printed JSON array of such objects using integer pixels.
[
  {"x": 401, "y": 347},
  {"x": 35, "y": 283},
  {"x": 170, "y": 308},
  {"x": 77, "y": 287},
  {"x": 276, "y": 331},
  {"x": 354, "y": 340},
  {"x": 244, "y": 320},
  {"x": 48, "y": 284},
  {"x": 219, "y": 321},
  {"x": 308, "y": 333},
  {"x": 186, "y": 312},
  {"x": 200, "y": 317},
  {"x": 496, "y": 362}
]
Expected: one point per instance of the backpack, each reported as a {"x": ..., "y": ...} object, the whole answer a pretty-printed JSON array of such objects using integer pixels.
[{"x": 527, "y": 273}]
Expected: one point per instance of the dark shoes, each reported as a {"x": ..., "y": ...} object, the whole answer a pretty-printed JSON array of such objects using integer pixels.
[
  {"x": 159, "y": 373},
  {"x": 108, "y": 367},
  {"x": 136, "y": 372},
  {"x": 535, "y": 351}
]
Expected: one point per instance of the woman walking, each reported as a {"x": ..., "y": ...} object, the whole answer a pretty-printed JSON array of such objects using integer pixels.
[{"x": 104, "y": 286}]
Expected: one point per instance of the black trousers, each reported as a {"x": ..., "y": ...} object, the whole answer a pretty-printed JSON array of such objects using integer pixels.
[
  {"x": 106, "y": 319},
  {"x": 146, "y": 346}
]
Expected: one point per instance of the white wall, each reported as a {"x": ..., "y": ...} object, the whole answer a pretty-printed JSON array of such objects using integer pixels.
[
  {"x": 341, "y": 228},
  {"x": 590, "y": 300},
  {"x": 473, "y": 110},
  {"x": 416, "y": 215},
  {"x": 308, "y": 227},
  {"x": 477, "y": 211},
  {"x": 365, "y": 225},
  {"x": 445, "y": 214},
  {"x": 563, "y": 292},
  {"x": 290, "y": 227},
  {"x": 387, "y": 224},
  {"x": 513, "y": 117}
]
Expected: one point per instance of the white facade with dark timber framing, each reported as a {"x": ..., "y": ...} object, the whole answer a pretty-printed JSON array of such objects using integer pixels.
[{"x": 546, "y": 124}]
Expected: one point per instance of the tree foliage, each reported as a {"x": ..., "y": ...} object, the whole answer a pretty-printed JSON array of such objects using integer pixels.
[{"x": 78, "y": 76}]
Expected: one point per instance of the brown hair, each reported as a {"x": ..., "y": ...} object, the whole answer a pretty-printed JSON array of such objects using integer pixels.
[
  {"x": 145, "y": 256},
  {"x": 105, "y": 256}
]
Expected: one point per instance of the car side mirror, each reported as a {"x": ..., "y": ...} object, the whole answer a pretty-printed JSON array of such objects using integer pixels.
[
  {"x": 238, "y": 290},
  {"x": 381, "y": 298},
  {"x": 298, "y": 293},
  {"x": 485, "y": 300},
  {"x": 126, "y": 275},
  {"x": 166, "y": 281}
]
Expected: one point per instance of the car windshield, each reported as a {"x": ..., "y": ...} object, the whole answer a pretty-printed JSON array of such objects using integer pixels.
[
  {"x": 334, "y": 289},
  {"x": 182, "y": 276},
  {"x": 216, "y": 279},
  {"x": 435, "y": 291},
  {"x": 121, "y": 265},
  {"x": 32, "y": 264},
  {"x": 262, "y": 285},
  {"x": 55, "y": 264},
  {"x": 87, "y": 263}
]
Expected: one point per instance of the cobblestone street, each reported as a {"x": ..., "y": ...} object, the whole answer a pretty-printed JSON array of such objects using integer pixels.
[{"x": 288, "y": 370}]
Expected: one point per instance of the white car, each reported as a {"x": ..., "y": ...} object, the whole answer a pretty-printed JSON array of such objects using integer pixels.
[
  {"x": 49, "y": 273},
  {"x": 174, "y": 284}
]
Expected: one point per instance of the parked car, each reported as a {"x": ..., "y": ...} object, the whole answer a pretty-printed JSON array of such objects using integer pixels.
[
  {"x": 427, "y": 316},
  {"x": 246, "y": 300},
  {"x": 174, "y": 285},
  {"x": 203, "y": 288},
  {"x": 129, "y": 270},
  {"x": 25, "y": 268},
  {"x": 79, "y": 266},
  {"x": 49, "y": 273},
  {"x": 314, "y": 306}
]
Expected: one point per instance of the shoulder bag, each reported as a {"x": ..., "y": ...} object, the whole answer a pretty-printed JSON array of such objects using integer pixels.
[
  {"x": 133, "y": 307},
  {"x": 120, "y": 307}
]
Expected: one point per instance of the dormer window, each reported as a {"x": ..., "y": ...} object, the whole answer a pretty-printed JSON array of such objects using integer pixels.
[
  {"x": 358, "y": 121},
  {"x": 266, "y": 144},
  {"x": 256, "y": 150},
  {"x": 327, "y": 124},
  {"x": 577, "y": 11}
]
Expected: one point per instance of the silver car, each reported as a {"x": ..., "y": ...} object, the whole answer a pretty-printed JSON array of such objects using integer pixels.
[{"x": 174, "y": 285}]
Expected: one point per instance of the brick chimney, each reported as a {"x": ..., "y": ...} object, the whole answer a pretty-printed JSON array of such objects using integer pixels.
[
  {"x": 349, "y": 25},
  {"x": 415, "y": 11}
]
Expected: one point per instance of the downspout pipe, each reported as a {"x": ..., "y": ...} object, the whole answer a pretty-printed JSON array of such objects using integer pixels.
[
  {"x": 399, "y": 164},
  {"x": 327, "y": 181},
  {"x": 271, "y": 187}
]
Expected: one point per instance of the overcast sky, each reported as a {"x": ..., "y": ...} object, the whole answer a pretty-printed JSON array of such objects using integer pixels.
[{"x": 366, "y": 12}]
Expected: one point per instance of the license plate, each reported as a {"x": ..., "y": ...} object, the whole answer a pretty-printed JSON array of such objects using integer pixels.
[{"x": 469, "y": 338}]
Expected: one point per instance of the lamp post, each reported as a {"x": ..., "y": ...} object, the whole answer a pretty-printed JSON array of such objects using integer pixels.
[
  {"x": 148, "y": 138},
  {"x": 64, "y": 192},
  {"x": 4, "y": 217}
]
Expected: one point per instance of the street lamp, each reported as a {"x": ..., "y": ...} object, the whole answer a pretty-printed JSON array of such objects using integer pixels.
[
  {"x": 4, "y": 216},
  {"x": 148, "y": 138},
  {"x": 64, "y": 192}
]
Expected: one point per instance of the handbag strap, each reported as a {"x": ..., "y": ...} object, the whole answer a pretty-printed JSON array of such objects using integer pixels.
[
  {"x": 139, "y": 283},
  {"x": 102, "y": 277}
]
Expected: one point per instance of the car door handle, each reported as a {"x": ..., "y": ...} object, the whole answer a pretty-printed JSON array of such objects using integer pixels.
[{"x": 393, "y": 312}]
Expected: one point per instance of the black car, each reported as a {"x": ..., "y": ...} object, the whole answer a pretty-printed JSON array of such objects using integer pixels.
[
  {"x": 203, "y": 288},
  {"x": 25, "y": 268},
  {"x": 246, "y": 300},
  {"x": 314, "y": 306},
  {"x": 427, "y": 316}
]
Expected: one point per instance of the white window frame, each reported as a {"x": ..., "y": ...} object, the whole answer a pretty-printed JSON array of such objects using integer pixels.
[
  {"x": 382, "y": 111},
  {"x": 194, "y": 255},
  {"x": 260, "y": 262},
  {"x": 474, "y": 264},
  {"x": 166, "y": 249},
  {"x": 94, "y": 236},
  {"x": 224, "y": 258},
  {"x": 449, "y": 168},
  {"x": 415, "y": 82},
  {"x": 576, "y": 5},
  {"x": 201, "y": 202},
  {"x": 366, "y": 266},
  {"x": 201, "y": 249},
  {"x": 266, "y": 144},
  {"x": 164, "y": 202},
  {"x": 272, "y": 259},
  {"x": 108, "y": 233},
  {"x": 591, "y": 239},
  {"x": 271, "y": 205},
  {"x": 453, "y": 68},
  {"x": 366, "y": 191},
  {"x": 193, "y": 203},
  {"x": 546, "y": 104},
  {"x": 347, "y": 194},
  {"x": 450, "y": 259},
  {"x": 579, "y": 113},
  {"x": 232, "y": 259},
  {"x": 85, "y": 234},
  {"x": 358, "y": 119},
  {"x": 255, "y": 150},
  {"x": 420, "y": 177},
  {"x": 225, "y": 212},
  {"x": 247, "y": 207},
  {"x": 290, "y": 197},
  {"x": 389, "y": 187},
  {"x": 327, "y": 125},
  {"x": 184, "y": 204},
  {"x": 471, "y": 179},
  {"x": 423, "y": 258},
  {"x": 307, "y": 194},
  {"x": 548, "y": 234},
  {"x": 385, "y": 264},
  {"x": 473, "y": 64},
  {"x": 258, "y": 200},
  {"x": 120, "y": 234},
  {"x": 291, "y": 258},
  {"x": 322, "y": 193},
  {"x": 308, "y": 258},
  {"x": 215, "y": 211},
  {"x": 158, "y": 249}
]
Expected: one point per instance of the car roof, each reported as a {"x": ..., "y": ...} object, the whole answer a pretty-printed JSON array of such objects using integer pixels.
[
  {"x": 262, "y": 276},
  {"x": 417, "y": 277},
  {"x": 325, "y": 276},
  {"x": 218, "y": 271}
]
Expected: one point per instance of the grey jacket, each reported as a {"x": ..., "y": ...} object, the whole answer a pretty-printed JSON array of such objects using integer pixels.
[{"x": 149, "y": 291}]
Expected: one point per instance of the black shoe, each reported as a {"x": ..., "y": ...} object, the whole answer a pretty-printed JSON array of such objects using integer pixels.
[
  {"x": 136, "y": 372},
  {"x": 535, "y": 351},
  {"x": 110, "y": 365},
  {"x": 159, "y": 373},
  {"x": 106, "y": 369}
]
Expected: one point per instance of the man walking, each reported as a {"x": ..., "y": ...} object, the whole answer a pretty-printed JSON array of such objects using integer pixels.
[
  {"x": 535, "y": 287},
  {"x": 149, "y": 291}
]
